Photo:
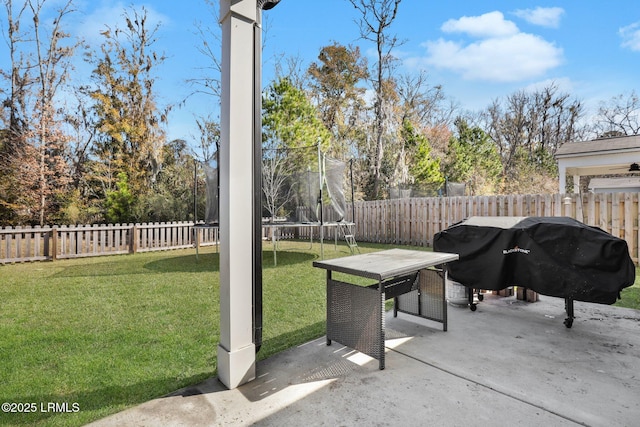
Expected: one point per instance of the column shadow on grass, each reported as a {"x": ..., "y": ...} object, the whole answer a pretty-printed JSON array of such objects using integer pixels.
[
  {"x": 183, "y": 263},
  {"x": 211, "y": 262},
  {"x": 139, "y": 393}
]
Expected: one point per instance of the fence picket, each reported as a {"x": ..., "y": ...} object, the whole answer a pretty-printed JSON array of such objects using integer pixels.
[
  {"x": 8, "y": 238},
  {"x": 412, "y": 221}
]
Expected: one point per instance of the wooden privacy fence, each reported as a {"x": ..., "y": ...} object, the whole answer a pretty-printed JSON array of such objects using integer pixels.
[
  {"x": 414, "y": 221},
  {"x": 411, "y": 221},
  {"x": 49, "y": 243}
]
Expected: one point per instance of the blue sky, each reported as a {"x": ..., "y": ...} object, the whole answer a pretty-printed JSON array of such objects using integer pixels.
[
  {"x": 480, "y": 50},
  {"x": 477, "y": 50}
]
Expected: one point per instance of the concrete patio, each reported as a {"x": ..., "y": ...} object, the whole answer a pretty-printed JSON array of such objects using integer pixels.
[{"x": 509, "y": 363}]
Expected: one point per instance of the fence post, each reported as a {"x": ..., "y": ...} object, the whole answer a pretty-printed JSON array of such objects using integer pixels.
[
  {"x": 133, "y": 239},
  {"x": 54, "y": 243},
  {"x": 43, "y": 238},
  {"x": 567, "y": 206}
]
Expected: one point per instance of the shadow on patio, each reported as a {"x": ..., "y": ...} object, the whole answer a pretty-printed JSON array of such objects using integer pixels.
[{"x": 508, "y": 363}]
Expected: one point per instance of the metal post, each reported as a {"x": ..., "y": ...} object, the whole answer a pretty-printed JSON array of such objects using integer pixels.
[
  {"x": 382, "y": 322},
  {"x": 321, "y": 176},
  {"x": 353, "y": 199},
  {"x": 195, "y": 191},
  {"x": 257, "y": 179}
]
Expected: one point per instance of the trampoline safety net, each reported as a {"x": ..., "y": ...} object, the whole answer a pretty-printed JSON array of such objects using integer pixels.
[
  {"x": 211, "y": 207},
  {"x": 291, "y": 189},
  {"x": 307, "y": 196},
  {"x": 334, "y": 178}
]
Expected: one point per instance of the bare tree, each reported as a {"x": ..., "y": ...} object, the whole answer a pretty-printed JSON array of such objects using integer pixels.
[
  {"x": 293, "y": 68},
  {"x": 528, "y": 127},
  {"x": 420, "y": 112},
  {"x": 210, "y": 37},
  {"x": 209, "y": 139},
  {"x": 208, "y": 82},
  {"x": 421, "y": 103},
  {"x": 377, "y": 16},
  {"x": 619, "y": 116},
  {"x": 15, "y": 109},
  {"x": 428, "y": 108},
  {"x": 277, "y": 171},
  {"x": 53, "y": 65},
  {"x": 83, "y": 134},
  {"x": 36, "y": 146},
  {"x": 18, "y": 77},
  {"x": 335, "y": 89}
]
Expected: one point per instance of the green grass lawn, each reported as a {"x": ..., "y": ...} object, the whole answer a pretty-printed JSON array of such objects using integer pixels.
[
  {"x": 630, "y": 297},
  {"x": 107, "y": 333},
  {"x": 111, "y": 332}
]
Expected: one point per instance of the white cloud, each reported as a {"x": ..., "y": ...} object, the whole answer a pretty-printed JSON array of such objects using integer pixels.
[
  {"x": 504, "y": 59},
  {"x": 631, "y": 36},
  {"x": 490, "y": 24},
  {"x": 502, "y": 52},
  {"x": 543, "y": 16}
]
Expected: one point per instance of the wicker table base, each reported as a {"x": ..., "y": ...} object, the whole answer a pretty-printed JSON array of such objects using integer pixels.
[{"x": 355, "y": 314}]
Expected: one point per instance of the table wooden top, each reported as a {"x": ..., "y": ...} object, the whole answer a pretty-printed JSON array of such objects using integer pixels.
[{"x": 386, "y": 264}]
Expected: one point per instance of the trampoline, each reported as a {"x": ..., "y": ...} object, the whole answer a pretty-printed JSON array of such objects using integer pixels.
[
  {"x": 311, "y": 196},
  {"x": 554, "y": 256},
  {"x": 304, "y": 194}
]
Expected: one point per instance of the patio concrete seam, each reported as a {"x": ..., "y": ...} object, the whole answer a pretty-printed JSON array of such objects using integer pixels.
[{"x": 486, "y": 386}]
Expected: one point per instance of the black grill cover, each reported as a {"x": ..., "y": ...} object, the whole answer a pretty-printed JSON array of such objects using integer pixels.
[{"x": 555, "y": 256}]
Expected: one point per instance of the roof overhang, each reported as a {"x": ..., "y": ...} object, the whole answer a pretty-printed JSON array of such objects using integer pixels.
[{"x": 599, "y": 157}]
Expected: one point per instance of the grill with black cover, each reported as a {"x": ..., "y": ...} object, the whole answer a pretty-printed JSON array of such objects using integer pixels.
[{"x": 554, "y": 256}]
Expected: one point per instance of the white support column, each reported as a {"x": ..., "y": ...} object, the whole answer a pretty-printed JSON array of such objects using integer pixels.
[
  {"x": 562, "y": 175},
  {"x": 576, "y": 184},
  {"x": 236, "y": 350}
]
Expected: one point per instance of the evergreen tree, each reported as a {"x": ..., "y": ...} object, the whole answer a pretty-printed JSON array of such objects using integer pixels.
[
  {"x": 424, "y": 168},
  {"x": 473, "y": 158},
  {"x": 290, "y": 121},
  {"x": 119, "y": 202}
]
